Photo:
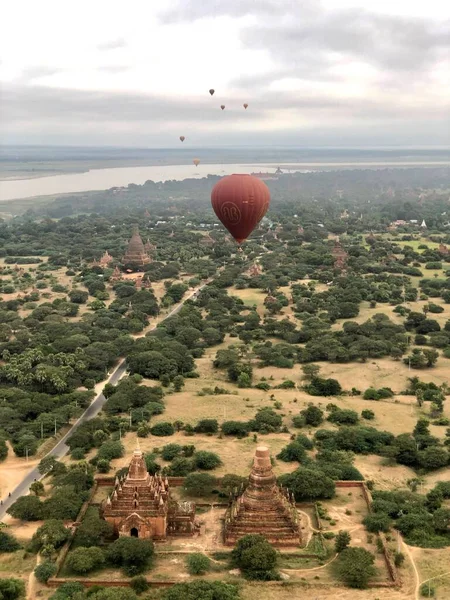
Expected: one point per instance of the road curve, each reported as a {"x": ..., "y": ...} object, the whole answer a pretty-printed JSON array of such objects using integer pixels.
[{"x": 61, "y": 448}]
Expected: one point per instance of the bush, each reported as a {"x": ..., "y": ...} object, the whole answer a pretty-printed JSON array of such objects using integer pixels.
[
  {"x": 206, "y": 460},
  {"x": 343, "y": 416},
  {"x": 237, "y": 428},
  {"x": 427, "y": 590},
  {"x": 323, "y": 387},
  {"x": 354, "y": 567},
  {"x": 11, "y": 588},
  {"x": 367, "y": 414},
  {"x": 44, "y": 571},
  {"x": 199, "y": 484},
  {"x": 207, "y": 426},
  {"x": 130, "y": 553},
  {"x": 312, "y": 415},
  {"x": 308, "y": 484},
  {"x": 342, "y": 541},
  {"x": 376, "y": 522},
  {"x": 162, "y": 429},
  {"x": 255, "y": 557},
  {"x": 110, "y": 450},
  {"x": 202, "y": 590},
  {"x": 197, "y": 564},
  {"x": 139, "y": 584},
  {"x": 292, "y": 452},
  {"x": 170, "y": 451},
  {"x": 84, "y": 560},
  {"x": 8, "y": 543}
]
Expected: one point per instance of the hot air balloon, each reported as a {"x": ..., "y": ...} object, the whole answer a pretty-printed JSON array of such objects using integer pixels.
[
  {"x": 211, "y": 91},
  {"x": 182, "y": 138},
  {"x": 245, "y": 106},
  {"x": 240, "y": 202},
  {"x": 196, "y": 161},
  {"x": 222, "y": 106}
]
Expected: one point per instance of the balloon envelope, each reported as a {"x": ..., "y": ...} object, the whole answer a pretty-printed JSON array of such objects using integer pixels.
[
  {"x": 240, "y": 202},
  {"x": 182, "y": 138},
  {"x": 196, "y": 161},
  {"x": 222, "y": 106},
  {"x": 211, "y": 91},
  {"x": 245, "y": 106}
]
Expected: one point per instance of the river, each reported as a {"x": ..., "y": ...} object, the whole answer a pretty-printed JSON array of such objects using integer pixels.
[{"x": 102, "y": 179}]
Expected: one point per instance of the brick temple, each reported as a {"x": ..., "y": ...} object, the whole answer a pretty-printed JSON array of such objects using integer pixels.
[
  {"x": 263, "y": 507},
  {"x": 141, "y": 506},
  {"x": 136, "y": 255}
]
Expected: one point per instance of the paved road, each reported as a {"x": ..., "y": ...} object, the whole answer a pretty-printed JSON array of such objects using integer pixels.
[{"x": 61, "y": 448}]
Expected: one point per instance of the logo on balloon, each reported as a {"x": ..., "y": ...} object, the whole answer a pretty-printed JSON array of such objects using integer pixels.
[{"x": 231, "y": 213}]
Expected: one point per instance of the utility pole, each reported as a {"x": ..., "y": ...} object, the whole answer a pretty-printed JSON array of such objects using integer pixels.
[
  {"x": 131, "y": 418},
  {"x": 42, "y": 430},
  {"x": 55, "y": 427},
  {"x": 26, "y": 451}
]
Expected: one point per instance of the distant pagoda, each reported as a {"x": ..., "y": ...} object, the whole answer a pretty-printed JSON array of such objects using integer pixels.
[
  {"x": 264, "y": 508},
  {"x": 135, "y": 254}
]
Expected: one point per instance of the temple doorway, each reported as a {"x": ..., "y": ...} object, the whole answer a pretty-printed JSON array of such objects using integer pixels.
[{"x": 134, "y": 532}]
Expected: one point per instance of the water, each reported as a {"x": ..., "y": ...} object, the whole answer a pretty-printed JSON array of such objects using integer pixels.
[{"x": 260, "y": 160}]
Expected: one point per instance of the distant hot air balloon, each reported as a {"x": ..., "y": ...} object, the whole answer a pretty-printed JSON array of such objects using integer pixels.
[
  {"x": 196, "y": 161},
  {"x": 240, "y": 202},
  {"x": 211, "y": 91},
  {"x": 222, "y": 106},
  {"x": 182, "y": 138},
  {"x": 245, "y": 106}
]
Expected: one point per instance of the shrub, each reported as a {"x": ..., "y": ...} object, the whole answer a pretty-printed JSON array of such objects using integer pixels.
[
  {"x": 44, "y": 571},
  {"x": 354, "y": 567},
  {"x": 139, "y": 584},
  {"x": 323, "y": 387},
  {"x": 11, "y": 588},
  {"x": 376, "y": 522},
  {"x": 170, "y": 451},
  {"x": 292, "y": 452},
  {"x": 202, "y": 590},
  {"x": 237, "y": 428},
  {"x": 367, "y": 414},
  {"x": 162, "y": 429},
  {"x": 8, "y": 543},
  {"x": 199, "y": 484},
  {"x": 197, "y": 564},
  {"x": 312, "y": 415},
  {"x": 130, "y": 553},
  {"x": 206, "y": 460},
  {"x": 255, "y": 557},
  {"x": 342, "y": 541},
  {"x": 207, "y": 426},
  {"x": 84, "y": 560}
]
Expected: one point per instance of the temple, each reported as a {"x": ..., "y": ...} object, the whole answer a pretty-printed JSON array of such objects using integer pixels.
[
  {"x": 340, "y": 255},
  {"x": 141, "y": 506},
  {"x": 263, "y": 507},
  {"x": 135, "y": 255}
]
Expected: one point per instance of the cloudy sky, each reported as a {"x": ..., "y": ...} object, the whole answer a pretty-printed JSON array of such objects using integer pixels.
[{"x": 137, "y": 72}]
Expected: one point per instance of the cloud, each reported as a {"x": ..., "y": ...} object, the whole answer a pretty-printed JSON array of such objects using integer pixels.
[
  {"x": 192, "y": 10},
  {"x": 113, "y": 69},
  {"x": 37, "y": 72},
  {"x": 112, "y": 44}
]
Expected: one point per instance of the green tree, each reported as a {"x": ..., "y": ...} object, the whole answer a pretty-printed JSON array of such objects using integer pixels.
[
  {"x": 342, "y": 541},
  {"x": 12, "y": 589},
  {"x": 84, "y": 560},
  {"x": 255, "y": 557},
  {"x": 8, "y": 543},
  {"x": 308, "y": 484},
  {"x": 202, "y": 590},
  {"x": 199, "y": 484},
  {"x": 376, "y": 522},
  {"x": 355, "y": 567},
  {"x": 197, "y": 564},
  {"x": 206, "y": 460},
  {"x": 312, "y": 415},
  {"x": 139, "y": 584},
  {"x": 44, "y": 571},
  {"x": 37, "y": 488},
  {"x": 26, "y": 508},
  {"x": 132, "y": 554},
  {"x": 52, "y": 532}
]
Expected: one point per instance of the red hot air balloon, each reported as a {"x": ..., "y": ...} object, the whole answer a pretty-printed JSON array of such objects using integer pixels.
[
  {"x": 182, "y": 138},
  {"x": 222, "y": 106},
  {"x": 196, "y": 161},
  {"x": 245, "y": 106},
  {"x": 211, "y": 91},
  {"x": 240, "y": 202}
]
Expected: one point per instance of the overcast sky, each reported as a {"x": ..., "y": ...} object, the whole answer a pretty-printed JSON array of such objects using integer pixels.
[{"x": 137, "y": 72}]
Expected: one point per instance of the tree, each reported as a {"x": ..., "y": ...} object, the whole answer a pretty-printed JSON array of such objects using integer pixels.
[
  {"x": 47, "y": 464},
  {"x": 342, "y": 541},
  {"x": 26, "y": 508},
  {"x": 93, "y": 530},
  {"x": 292, "y": 452},
  {"x": 8, "y": 543},
  {"x": 11, "y": 588},
  {"x": 376, "y": 522},
  {"x": 139, "y": 584},
  {"x": 84, "y": 560},
  {"x": 178, "y": 383},
  {"x": 110, "y": 450},
  {"x": 132, "y": 554},
  {"x": 441, "y": 520},
  {"x": 310, "y": 371},
  {"x": 323, "y": 387},
  {"x": 162, "y": 429},
  {"x": 206, "y": 460},
  {"x": 433, "y": 457},
  {"x": 202, "y": 590},
  {"x": 207, "y": 426},
  {"x": 37, "y": 488},
  {"x": 44, "y": 571},
  {"x": 354, "y": 567},
  {"x": 199, "y": 484},
  {"x": 307, "y": 484},
  {"x": 312, "y": 415},
  {"x": 197, "y": 564},
  {"x": 52, "y": 532},
  {"x": 255, "y": 557}
]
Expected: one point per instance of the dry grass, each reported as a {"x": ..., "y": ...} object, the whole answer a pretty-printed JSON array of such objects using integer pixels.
[{"x": 434, "y": 564}]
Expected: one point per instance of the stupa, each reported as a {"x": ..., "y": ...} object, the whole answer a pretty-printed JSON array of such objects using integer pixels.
[
  {"x": 136, "y": 255},
  {"x": 140, "y": 505},
  {"x": 263, "y": 507}
]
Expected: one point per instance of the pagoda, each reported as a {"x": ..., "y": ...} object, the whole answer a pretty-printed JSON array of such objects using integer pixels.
[
  {"x": 263, "y": 507},
  {"x": 340, "y": 255},
  {"x": 140, "y": 505},
  {"x": 149, "y": 247},
  {"x": 116, "y": 275},
  {"x": 106, "y": 259},
  {"x": 254, "y": 270},
  {"x": 135, "y": 254}
]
